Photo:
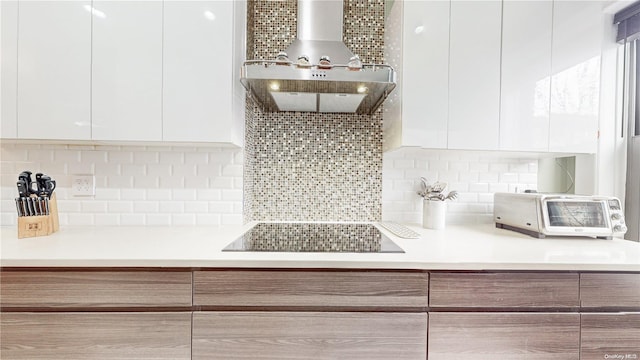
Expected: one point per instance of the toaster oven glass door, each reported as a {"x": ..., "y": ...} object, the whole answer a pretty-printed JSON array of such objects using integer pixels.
[{"x": 575, "y": 217}]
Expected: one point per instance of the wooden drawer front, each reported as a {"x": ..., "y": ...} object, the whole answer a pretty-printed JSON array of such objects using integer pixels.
[
  {"x": 496, "y": 290},
  {"x": 504, "y": 336},
  {"x": 95, "y": 336},
  {"x": 610, "y": 290},
  {"x": 309, "y": 335},
  {"x": 310, "y": 288},
  {"x": 607, "y": 335},
  {"x": 97, "y": 289}
]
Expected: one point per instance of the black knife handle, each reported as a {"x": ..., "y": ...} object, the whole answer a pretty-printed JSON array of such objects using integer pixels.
[{"x": 23, "y": 188}]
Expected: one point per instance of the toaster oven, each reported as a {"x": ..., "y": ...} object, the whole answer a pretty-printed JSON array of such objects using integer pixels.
[{"x": 542, "y": 215}]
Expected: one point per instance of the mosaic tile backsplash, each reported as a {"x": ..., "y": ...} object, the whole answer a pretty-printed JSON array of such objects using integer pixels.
[{"x": 308, "y": 166}]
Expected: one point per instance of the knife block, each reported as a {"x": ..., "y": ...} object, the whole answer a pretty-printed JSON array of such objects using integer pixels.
[{"x": 31, "y": 226}]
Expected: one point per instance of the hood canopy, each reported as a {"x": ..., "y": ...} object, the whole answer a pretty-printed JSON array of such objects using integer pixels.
[{"x": 287, "y": 85}]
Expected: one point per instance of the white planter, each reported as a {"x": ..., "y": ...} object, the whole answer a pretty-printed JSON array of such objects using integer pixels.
[{"x": 433, "y": 214}]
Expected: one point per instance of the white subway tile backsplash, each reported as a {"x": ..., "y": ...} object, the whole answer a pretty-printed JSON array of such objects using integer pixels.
[
  {"x": 145, "y": 158},
  {"x": 147, "y": 207},
  {"x": 185, "y": 220},
  {"x": 497, "y": 187},
  {"x": 132, "y": 219},
  {"x": 120, "y": 157},
  {"x": 121, "y": 182},
  {"x": 107, "y": 219},
  {"x": 171, "y": 158},
  {"x": 476, "y": 176},
  {"x": 135, "y": 185},
  {"x": 81, "y": 218},
  {"x": 196, "y": 207},
  {"x": 489, "y": 177},
  {"x": 159, "y": 194},
  {"x": 208, "y": 219},
  {"x": 133, "y": 194},
  {"x": 133, "y": 170},
  {"x": 146, "y": 182},
  {"x": 95, "y": 206},
  {"x": 220, "y": 207},
  {"x": 232, "y": 170},
  {"x": 95, "y": 157},
  {"x": 172, "y": 207},
  {"x": 122, "y": 207},
  {"x": 159, "y": 170},
  {"x": 231, "y": 195},
  {"x": 209, "y": 170},
  {"x": 197, "y": 158},
  {"x": 158, "y": 219}
]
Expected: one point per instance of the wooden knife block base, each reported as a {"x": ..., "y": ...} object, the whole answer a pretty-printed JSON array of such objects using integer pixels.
[{"x": 30, "y": 226}]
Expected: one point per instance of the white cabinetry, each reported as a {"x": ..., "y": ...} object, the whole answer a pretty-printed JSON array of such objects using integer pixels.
[
  {"x": 575, "y": 81},
  {"x": 526, "y": 68},
  {"x": 198, "y": 71},
  {"x": 474, "y": 75},
  {"x": 127, "y": 70},
  {"x": 54, "y": 70},
  {"x": 418, "y": 48},
  {"x": 495, "y": 75},
  {"x": 9, "y": 69}
]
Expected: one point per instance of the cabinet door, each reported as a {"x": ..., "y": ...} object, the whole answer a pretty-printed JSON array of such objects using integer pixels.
[
  {"x": 500, "y": 290},
  {"x": 54, "y": 70},
  {"x": 197, "y": 71},
  {"x": 505, "y": 336},
  {"x": 526, "y": 69},
  {"x": 9, "y": 69},
  {"x": 127, "y": 70},
  {"x": 575, "y": 80},
  {"x": 610, "y": 336},
  {"x": 309, "y": 335},
  {"x": 474, "y": 75},
  {"x": 601, "y": 290},
  {"x": 341, "y": 289},
  {"x": 95, "y": 289},
  {"x": 426, "y": 68},
  {"x": 62, "y": 335}
]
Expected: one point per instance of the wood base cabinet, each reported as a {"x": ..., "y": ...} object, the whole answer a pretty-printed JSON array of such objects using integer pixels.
[
  {"x": 610, "y": 336},
  {"x": 309, "y": 335},
  {"x": 100, "y": 335},
  {"x": 504, "y": 336}
]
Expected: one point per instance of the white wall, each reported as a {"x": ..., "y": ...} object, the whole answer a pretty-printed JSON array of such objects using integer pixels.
[
  {"x": 135, "y": 185},
  {"x": 476, "y": 175}
]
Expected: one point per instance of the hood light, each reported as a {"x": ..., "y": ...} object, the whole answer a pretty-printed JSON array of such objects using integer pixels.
[
  {"x": 275, "y": 86},
  {"x": 419, "y": 29},
  {"x": 362, "y": 89},
  {"x": 209, "y": 15}
]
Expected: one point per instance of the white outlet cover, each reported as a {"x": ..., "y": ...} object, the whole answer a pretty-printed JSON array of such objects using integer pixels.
[{"x": 83, "y": 185}]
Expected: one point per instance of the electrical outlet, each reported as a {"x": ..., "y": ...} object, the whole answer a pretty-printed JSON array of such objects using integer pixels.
[{"x": 83, "y": 185}]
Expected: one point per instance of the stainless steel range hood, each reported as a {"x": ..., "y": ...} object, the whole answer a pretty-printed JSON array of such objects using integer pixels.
[{"x": 283, "y": 86}]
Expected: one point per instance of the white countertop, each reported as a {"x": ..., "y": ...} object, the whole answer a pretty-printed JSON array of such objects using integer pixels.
[{"x": 481, "y": 247}]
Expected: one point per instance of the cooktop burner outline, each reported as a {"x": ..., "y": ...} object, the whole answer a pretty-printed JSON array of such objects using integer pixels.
[{"x": 314, "y": 237}]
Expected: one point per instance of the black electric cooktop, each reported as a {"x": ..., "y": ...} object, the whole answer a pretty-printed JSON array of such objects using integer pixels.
[{"x": 315, "y": 237}]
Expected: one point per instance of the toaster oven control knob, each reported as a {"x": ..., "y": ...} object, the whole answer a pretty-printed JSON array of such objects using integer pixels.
[
  {"x": 616, "y": 216},
  {"x": 619, "y": 228}
]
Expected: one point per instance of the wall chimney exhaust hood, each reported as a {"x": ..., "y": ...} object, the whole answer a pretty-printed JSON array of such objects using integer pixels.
[{"x": 289, "y": 85}]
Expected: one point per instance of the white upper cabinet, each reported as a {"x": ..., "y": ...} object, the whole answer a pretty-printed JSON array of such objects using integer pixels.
[
  {"x": 526, "y": 68},
  {"x": 127, "y": 70},
  {"x": 9, "y": 69},
  {"x": 418, "y": 41},
  {"x": 54, "y": 70},
  {"x": 198, "y": 75},
  {"x": 575, "y": 80},
  {"x": 474, "y": 75}
]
